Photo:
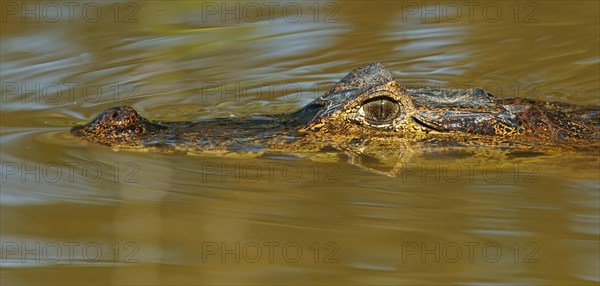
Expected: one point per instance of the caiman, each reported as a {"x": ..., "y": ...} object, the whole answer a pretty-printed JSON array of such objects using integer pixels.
[{"x": 366, "y": 109}]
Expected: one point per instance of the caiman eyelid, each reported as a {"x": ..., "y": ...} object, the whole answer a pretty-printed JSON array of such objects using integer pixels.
[{"x": 379, "y": 97}]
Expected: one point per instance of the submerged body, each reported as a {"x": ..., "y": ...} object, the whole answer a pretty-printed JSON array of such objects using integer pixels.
[{"x": 366, "y": 109}]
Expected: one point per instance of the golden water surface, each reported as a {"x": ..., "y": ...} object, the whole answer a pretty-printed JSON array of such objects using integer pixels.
[{"x": 75, "y": 213}]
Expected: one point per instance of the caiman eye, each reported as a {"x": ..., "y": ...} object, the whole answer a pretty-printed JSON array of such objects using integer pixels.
[{"x": 380, "y": 110}]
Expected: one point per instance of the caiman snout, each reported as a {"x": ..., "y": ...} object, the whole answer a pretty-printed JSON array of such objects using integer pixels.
[{"x": 119, "y": 125}]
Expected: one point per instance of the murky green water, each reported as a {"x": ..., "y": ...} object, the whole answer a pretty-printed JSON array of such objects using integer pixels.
[{"x": 78, "y": 213}]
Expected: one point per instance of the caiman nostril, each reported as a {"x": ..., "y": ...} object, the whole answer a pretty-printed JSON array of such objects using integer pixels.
[{"x": 76, "y": 130}]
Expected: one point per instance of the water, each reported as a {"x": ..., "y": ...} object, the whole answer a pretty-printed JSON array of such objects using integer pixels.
[{"x": 78, "y": 213}]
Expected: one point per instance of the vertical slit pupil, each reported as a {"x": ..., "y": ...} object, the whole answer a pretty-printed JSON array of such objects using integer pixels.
[{"x": 381, "y": 109}]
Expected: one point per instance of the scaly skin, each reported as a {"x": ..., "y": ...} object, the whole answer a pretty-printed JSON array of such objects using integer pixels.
[{"x": 366, "y": 109}]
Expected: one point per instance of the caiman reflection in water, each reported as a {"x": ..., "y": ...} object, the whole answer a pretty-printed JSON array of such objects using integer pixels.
[{"x": 367, "y": 109}]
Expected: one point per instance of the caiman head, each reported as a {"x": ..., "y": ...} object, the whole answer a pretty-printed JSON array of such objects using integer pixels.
[
  {"x": 117, "y": 126},
  {"x": 368, "y": 96},
  {"x": 369, "y": 103}
]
